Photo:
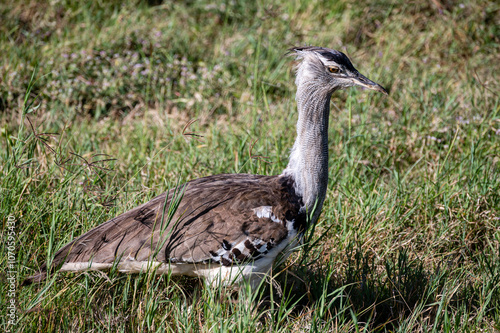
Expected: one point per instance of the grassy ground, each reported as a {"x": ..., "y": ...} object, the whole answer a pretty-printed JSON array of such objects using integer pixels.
[{"x": 104, "y": 105}]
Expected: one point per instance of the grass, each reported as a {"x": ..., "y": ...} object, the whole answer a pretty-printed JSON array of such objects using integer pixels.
[{"x": 104, "y": 105}]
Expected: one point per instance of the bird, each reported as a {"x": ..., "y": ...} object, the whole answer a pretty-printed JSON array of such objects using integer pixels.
[{"x": 228, "y": 228}]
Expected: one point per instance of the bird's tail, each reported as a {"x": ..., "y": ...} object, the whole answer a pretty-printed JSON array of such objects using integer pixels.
[{"x": 37, "y": 278}]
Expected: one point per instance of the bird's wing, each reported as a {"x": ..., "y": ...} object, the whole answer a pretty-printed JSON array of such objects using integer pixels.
[{"x": 222, "y": 219}]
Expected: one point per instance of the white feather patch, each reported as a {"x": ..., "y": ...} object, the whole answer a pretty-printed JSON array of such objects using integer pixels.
[{"x": 266, "y": 212}]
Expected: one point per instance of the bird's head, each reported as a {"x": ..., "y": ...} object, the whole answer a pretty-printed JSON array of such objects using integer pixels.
[{"x": 328, "y": 70}]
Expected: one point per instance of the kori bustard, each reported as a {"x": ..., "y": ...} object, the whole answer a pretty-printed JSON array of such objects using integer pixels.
[{"x": 229, "y": 227}]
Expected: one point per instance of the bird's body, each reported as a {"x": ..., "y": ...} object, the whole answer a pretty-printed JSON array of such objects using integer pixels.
[
  {"x": 229, "y": 227},
  {"x": 225, "y": 223}
]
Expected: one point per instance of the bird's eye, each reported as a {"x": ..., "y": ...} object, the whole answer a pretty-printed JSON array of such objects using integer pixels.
[{"x": 333, "y": 69}]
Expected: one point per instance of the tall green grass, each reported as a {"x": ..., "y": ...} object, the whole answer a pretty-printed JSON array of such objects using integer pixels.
[{"x": 104, "y": 105}]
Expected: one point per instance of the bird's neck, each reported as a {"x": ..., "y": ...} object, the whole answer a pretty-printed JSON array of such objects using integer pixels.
[{"x": 308, "y": 164}]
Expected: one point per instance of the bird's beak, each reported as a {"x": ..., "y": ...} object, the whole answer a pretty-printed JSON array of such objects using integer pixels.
[{"x": 363, "y": 81}]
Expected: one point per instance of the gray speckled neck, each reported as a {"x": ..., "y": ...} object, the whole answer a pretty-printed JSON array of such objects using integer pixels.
[{"x": 308, "y": 163}]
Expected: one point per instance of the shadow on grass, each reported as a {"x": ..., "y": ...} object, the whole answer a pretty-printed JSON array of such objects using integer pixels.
[{"x": 398, "y": 291}]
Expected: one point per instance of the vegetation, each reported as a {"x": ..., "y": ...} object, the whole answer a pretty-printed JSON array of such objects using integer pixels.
[{"x": 105, "y": 104}]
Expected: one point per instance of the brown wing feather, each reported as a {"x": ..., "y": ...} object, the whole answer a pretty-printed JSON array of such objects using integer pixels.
[{"x": 215, "y": 213}]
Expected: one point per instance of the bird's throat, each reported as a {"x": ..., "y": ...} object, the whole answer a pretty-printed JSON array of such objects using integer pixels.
[{"x": 308, "y": 164}]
